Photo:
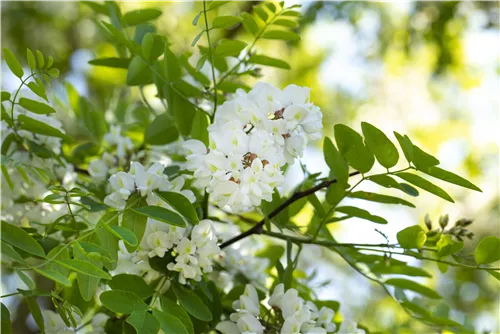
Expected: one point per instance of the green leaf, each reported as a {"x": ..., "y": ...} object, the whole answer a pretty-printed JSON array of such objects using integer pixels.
[
  {"x": 221, "y": 22},
  {"x": 261, "y": 12},
  {"x": 249, "y": 24},
  {"x": 197, "y": 38},
  {"x": 113, "y": 62},
  {"x": 41, "y": 60},
  {"x": 138, "y": 73},
  {"x": 335, "y": 193},
  {"x": 409, "y": 189},
  {"x": 122, "y": 301},
  {"x": 35, "y": 106},
  {"x": 53, "y": 72},
  {"x": 192, "y": 303},
  {"x": 181, "y": 204},
  {"x": 6, "y": 327},
  {"x": 488, "y": 250},
  {"x": 495, "y": 274},
  {"x": 423, "y": 160},
  {"x": 384, "y": 269},
  {"x": 169, "y": 323},
  {"x": 412, "y": 237},
  {"x": 369, "y": 196},
  {"x": 11, "y": 252},
  {"x": 228, "y": 47},
  {"x": 350, "y": 144},
  {"x": 161, "y": 214},
  {"x": 13, "y": 63},
  {"x": 284, "y": 35},
  {"x": 170, "y": 307},
  {"x": 34, "y": 308},
  {"x": 5, "y": 96},
  {"x": 50, "y": 61},
  {"x": 388, "y": 182},
  {"x": 87, "y": 285},
  {"x": 425, "y": 185},
  {"x": 134, "y": 221},
  {"x": 268, "y": 61},
  {"x": 334, "y": 160},
  {"x": 406, "y": 146},
  {"x": 214, "y": 4},
  {"x": 26, "y": 279},
  {"x": 55, "y": 276},
  {"x": 125, "y": 234},
  {"x": 38, "y": 90},
  {"x": 83, "y": 267},
  {"x": 196, "y": 18},
  {"x": 30, "y": 124},
  {"x": 360, "y": 213},
  {"x": 447, "y": 246},
  {"x": 131, "y": 283},
  {"x": 107, "y": 239},
  {"x": 200, "y": 124},
  {"x": 31, "y": 59},
  {"x": 19, "y": 238},
  {"x": 161, "y": 131},
  {"x": 450, "y": 177},
  {"x": 383, "y": 149},
  {"x": 144, "y": 322},
  {"x": 413, "y": 286},
  {"x": 139, "y": 16}
]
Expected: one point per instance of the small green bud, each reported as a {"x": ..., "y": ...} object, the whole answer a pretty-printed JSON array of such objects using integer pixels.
[
  {"x": 443, "y": 221},
  {"x": 428, "y": 222}
]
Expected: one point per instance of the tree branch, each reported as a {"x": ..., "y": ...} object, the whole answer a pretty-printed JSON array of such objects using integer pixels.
[{"x": 258, "y": 228}]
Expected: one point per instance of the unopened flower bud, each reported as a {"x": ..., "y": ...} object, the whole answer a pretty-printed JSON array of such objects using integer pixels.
[
  {"x": 428, "y": 222},
  {"x": 443, "y": 221}
]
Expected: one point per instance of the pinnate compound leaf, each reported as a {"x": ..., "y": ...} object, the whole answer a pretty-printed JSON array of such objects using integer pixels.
[
  {"x": 192, "y": 303},
  {"x": 13, "y": 63},
  {"x": 412, "y": 237},
  {"x": 369, "y": 196},
  {"x": 161, "y": 214},
  {"x": 19, "y": 238},
  {"x": 450, "y": 177},
  {"x": 139, "y": 16},
  {"x": 352, "y": 148},
  {"x": 360, "y": 213},
  {"x": 425, "y": 184},
  {"x": 122, "y": 301},
  {"x": 169, "y": 323},
  {"x": 144, "y": 322},
  {"x": 35, "y": 106},
  {"x": 268, "y": 61},
  {"x": 83, "y": 267},
  {"x": 378, "y": 143},
  {"x": 488, "y": 250},
  {"x": 412, "y": 286},
  {"x": 131, "y": 283},
  {"x": 180, "y": 203}
]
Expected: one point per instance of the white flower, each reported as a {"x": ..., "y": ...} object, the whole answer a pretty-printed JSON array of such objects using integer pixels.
[
  {"x": 350, "y": 327},
  {"x": 158, "y": 241},
  {"x": 275, "y": 299},
  {"x": 227, "y": 327},
  {"x": 54, "y": 324},
  {"x": 248, "y": 323},
  {"x": 325, "y": 317},
  {"x": 122, "y": 183},
  {"x": 291, "y": 326},
  {"x": 115, "y": 200},
  {"x": 98, "y": 169},
  {"x": 98, "y": 322},
  {"x": 291, "y": 303}
]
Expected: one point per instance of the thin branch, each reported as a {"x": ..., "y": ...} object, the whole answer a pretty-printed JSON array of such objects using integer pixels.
[
  {"x": 258, "y": 228},
  {"x": 210, "y": 51}
]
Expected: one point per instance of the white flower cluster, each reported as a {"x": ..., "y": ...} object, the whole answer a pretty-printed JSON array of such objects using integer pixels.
[
  {"x": 139, "y": 179},
  {"x": 252, "y": 137},
  {"x": 298, "y": 315},
  {"x": 192, "y": 249}
]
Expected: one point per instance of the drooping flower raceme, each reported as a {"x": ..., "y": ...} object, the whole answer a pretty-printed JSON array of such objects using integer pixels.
[
  {"x": 253, "y": 136},
  {"x": 293, "y": 314}
]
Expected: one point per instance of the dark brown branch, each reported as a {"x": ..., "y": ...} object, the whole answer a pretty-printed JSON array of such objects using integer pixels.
[{"x": 257, "y": 229}]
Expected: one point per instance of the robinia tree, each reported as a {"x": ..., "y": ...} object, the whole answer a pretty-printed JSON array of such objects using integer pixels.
[{"x": 175, "y": 221}]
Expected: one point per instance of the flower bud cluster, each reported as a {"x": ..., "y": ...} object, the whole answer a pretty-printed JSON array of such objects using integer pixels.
[{"x": 252, "y": 137}]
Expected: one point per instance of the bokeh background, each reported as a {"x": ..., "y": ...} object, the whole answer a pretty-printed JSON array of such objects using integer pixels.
[{"x": 427, "y": 69}]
